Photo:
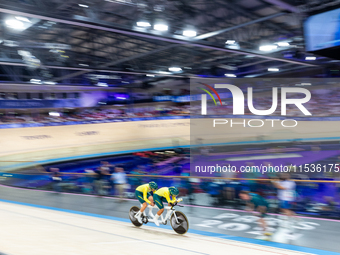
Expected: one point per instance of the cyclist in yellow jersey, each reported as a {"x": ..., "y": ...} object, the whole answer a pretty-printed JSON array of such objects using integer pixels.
[
  {"x": 145, "y": 197},
  {"x": 164, "y": 195}
]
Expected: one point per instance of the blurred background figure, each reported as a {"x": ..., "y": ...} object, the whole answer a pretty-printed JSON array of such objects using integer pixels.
[
  {"x": 56, "y": 179},
  {"x": 102, "y": 180},
  {"x": 88, "y": 186},
  {"x": 119, "y": 180},
  {"x": 286, "y": 195}
]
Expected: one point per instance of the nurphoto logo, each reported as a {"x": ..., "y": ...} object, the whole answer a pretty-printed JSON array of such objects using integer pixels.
[{"x": 239, "y": 105}]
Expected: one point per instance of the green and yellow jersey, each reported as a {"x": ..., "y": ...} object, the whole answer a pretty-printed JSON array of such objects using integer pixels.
[
  {"x": 143, "y": 192},
  {"x": 164, "y": 192}
]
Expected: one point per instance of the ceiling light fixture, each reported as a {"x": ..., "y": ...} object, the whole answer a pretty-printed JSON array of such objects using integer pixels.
[
  {"x": 15, "y": 24},
  {"x": 232, "y": 45},
  {"x": 310, "y": 58},
  {"x": 54, "y": 114},
  {"x": 230, "y": 75},
  {"x": 272, "y": 69},
  {"x": 163, "y": 72},
  {"x": 268, "y": 47},
  {"x": 160, "y": 27},
  {"x": 83, "y": 5},
  {"x": 283, "y": 44},
  {"x": 143, "y": 24},
  {"x": 24, "y": 19},
  {"x": 189, "y": 33},
  {"x": 50, "y": 82},
  {"x": 102, "y": 84},
  {"x": 35, "y": 81},
  {"x": 230, "y": 42},
  {"x": 175, "y": 69}
]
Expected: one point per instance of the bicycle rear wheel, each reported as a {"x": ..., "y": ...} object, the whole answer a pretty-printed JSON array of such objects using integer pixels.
[
  {"x": 183, "y": 224},
  {"x": 132, "y": 213}
]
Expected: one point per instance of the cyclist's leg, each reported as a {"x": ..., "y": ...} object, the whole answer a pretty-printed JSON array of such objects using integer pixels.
[
  {"x": 144, "y": 205},
  {"x": 150, "y": 197},
  {"x": 139, "y": 196},
  {"x": 159, "y": 203}
]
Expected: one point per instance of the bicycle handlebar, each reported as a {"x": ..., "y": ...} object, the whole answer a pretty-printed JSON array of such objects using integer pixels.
[{"x": 176, "y": 203}]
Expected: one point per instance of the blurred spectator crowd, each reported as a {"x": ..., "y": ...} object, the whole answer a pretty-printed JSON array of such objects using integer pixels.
[
  {"x": 97, "y": 114},
  {"x": 323, "y": 103}
]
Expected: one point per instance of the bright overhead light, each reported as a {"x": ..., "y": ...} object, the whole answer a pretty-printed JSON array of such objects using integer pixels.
[
  {"x": 232, "y": 45},
  {"x": 24, "y": 19},
  {"x": 230, "y": 42},
  {"x": 268, "y": 47},
  {"x": 160, "y": 27},
  {"x": 15, "y": 24},
  {"x": 102, "y": 84},
  {"x": 36, "y": 81},
  {"x": 54, "y": 114},
  {"x": 163, "y": 72},
  {"x": 273, "y": 69},
  {"x": 150, "y": 75},
  {"x": 310, "y": 58},
  {"x": 83, "y": 64},
  {"x": 283, "y": 44},
  {"x": 50, "y": 82},
  {"x": 230, "y": 75},
  {"x": 189, "y": 33},
  {"x": 24, "y": 53},
  {"x": 175, "y": 69},
  {"x": 83, "y": 5},
  {"x": 143, "y": 24}
]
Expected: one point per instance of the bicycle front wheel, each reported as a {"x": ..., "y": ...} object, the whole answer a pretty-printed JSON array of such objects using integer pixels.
[
  {"x": 182, "y": 226},
  {"x": 132, "y": 213}
]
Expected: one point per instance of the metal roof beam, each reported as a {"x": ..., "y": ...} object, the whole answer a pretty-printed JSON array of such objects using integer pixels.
[
  {"x": 117, "y": 62},
  {"x": 261, "y": 69},
  {"x": 179, "y": 40},
  {"x": 207, "y": 35},
  {"x": 283, "y": 5},
  {"x": 295, "y": 69},
  {"x": 246, "y": 13}
]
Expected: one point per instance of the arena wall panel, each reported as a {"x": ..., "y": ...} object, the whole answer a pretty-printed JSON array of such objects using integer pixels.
[
  {"x": 42, "y": 143},
  {"x": 56, "y": 142}
]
